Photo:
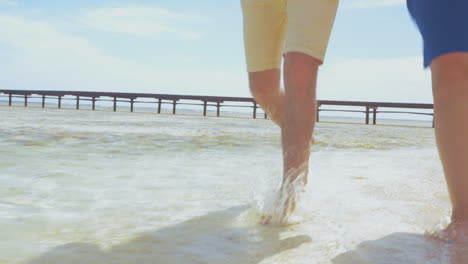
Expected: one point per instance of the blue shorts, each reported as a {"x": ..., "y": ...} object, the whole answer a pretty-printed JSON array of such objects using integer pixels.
[{"x": 443, "y": 25}]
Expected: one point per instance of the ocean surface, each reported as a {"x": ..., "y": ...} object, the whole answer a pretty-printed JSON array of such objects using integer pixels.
[{"x": 105, "y": 187}]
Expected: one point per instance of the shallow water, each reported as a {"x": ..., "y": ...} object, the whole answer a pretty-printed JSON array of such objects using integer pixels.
[{"x": 104, "y": 187}]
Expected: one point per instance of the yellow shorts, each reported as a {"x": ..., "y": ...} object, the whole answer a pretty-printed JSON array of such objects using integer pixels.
[{"x": 274, "y": 27}]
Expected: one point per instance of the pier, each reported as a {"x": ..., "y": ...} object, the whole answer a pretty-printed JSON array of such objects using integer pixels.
[{"x": 368, "y": 109}]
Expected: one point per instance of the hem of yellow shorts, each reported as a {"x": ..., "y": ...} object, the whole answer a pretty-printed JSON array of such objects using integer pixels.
[
  {"x": 264, "y": 67},
  {"x": 306, "y": 50}
]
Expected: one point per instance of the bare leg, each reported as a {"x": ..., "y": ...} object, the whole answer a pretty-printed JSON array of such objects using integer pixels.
[
  {"x": 265, "y": 88},
  {"x": 300, "y": 76},
  {"x": 450, "y": 89}
]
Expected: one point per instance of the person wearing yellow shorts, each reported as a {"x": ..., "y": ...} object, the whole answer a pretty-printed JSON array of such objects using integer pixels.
[{"x": 299, "y": 31}]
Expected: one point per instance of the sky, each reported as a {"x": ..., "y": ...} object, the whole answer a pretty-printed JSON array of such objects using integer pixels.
[{"x": 196, "y": 47}]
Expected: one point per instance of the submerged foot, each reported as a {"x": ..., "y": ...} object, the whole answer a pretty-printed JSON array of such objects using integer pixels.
[
  {"x": 285, "y": 204},
  {"x": 280, "y": 214},
  {"x": 455, "y": 233}
]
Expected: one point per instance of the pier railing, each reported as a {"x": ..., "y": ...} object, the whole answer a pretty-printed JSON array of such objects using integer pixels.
[{"x": 367, "y": 108}]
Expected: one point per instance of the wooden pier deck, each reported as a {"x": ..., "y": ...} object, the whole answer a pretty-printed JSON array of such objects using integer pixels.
[{"x": 367, "y": 108}]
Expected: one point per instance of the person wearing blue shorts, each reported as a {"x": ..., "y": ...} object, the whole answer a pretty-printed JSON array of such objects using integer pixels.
[{"x": 444, "y": 28}]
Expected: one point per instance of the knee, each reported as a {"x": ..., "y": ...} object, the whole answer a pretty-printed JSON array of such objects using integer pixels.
[
  {"x": 264, "y": 82},
  {"x": 300, "y": 74},
  {"x": 450, "y": 76}
]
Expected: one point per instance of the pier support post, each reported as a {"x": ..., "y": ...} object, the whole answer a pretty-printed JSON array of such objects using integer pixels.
[
  {"x": 374, "y": 116},
  {"x": 59, "y": 102},
  {"x": 94, "y": 103},
  {"x": 131, "y": 104},
  {"x": 367, "y": 115},
  {"x": 159, "y": 105},
  {"x": 77, "y": 102},
  {"x": 25, "y": 100},
  {"x": 318, "y": 113},
  {"x": 205, "y": 104},
  {"x": 115, "y": 104},
  {"x": 9, "y": 99},
  {"x": 218, "y": 106},
  {"x": 43, "y": 100},
  {"x": 255, "y": 110},
  {"x": 174, "y": 103}
]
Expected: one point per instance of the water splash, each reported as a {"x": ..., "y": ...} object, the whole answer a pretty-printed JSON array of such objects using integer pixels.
[{"x": 279, "y": 208}]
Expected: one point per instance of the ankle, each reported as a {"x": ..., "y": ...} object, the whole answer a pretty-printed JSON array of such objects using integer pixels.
[{"x": 460, "y": 215}]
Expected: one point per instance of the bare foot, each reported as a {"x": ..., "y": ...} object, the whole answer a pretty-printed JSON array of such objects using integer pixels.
[
  {"x": 280, "y": 215},
  {"x": 266, "y": 219},
  {"x": 285, "y": 205},
  {"x": 455, "y": 233}
]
